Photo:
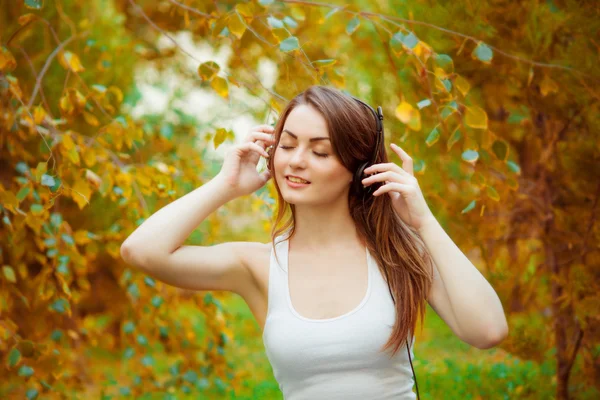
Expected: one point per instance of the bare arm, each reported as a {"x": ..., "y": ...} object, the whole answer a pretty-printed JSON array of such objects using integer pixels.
[
  {"x": 156, "y": 247},
  {"x": 168, "y": 228}
]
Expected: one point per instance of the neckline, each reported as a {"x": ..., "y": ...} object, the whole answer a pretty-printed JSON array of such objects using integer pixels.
[{"x": 347, "y": 314}]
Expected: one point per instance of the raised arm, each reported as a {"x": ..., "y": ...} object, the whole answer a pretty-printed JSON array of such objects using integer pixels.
[{"x": 156, "y": 246}]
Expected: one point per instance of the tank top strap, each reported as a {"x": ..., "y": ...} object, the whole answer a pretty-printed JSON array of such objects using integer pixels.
[{"x": 277, "y": 276}]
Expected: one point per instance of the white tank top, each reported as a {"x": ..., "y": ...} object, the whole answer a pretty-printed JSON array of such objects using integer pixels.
[{"x": 335, "y": 358}]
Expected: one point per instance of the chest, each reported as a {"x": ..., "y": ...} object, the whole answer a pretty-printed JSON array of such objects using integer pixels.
[{"x": 326, "y": 287}]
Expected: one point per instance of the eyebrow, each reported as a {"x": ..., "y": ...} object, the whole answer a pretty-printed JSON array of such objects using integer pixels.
[{"x": 310, "y": 140}]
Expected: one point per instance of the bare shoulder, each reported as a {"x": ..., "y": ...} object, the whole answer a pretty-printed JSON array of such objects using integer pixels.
[{"x": 257, "y": 260}]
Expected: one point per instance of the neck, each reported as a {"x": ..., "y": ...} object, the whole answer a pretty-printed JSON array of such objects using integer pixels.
[{"x": 324, "y": 225}]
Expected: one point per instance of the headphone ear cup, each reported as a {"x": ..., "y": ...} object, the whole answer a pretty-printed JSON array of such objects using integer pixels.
[{"x": 357, "y": 185}]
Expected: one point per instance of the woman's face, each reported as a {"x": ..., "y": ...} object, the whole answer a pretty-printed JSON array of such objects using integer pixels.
[{"x": 312, "y": 160}]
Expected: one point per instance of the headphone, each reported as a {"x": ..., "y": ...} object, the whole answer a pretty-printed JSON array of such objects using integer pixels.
[{"x": 364, "y": 192}]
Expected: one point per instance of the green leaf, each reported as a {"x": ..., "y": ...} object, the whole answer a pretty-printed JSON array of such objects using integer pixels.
[
  {"x": 128, "y": 353},
  {"x": 455, "y": 137},
  {"x": 352, "y": 25},
  {"x": 483, "y": 52},
  {"x": 445, "y": 62},
  {"x": 424, "y": 103},
  {"x": 147, "y": 361},
  {"x": 419, "y": 165},
  {"x": 470, "y": 155},
  {"x": 324, "y": 63},
  {"x": 128, "y": 327},
  {"x": 36, "y": 208},
  {"x": 469, "y": 207},
  {"x": 166, "y": 131},
  {"x": 14, "y": 356},
  {"x": 32, "y": 393},
  {"x": 492, "y": 193},
  {"x": 34, "y": 4},
  {"x": 156, "y": 301},
  {"x": 25, "y": 371},
  {"x": 48, "y": 180},
  {"x": 289, "y": 21},
  {"x": 164, "y": 331},
  {"x": 289, "y": 44},
  {"x": 410, "y": 41},
  {"x": 514, "y": 167},
  {"x": 275, "y": 22},
  {"x": 433, "y": 137},
  {"x": 60, "y": 305},
  {"x": 134, "y": 291},
  {"x": 190, "y": 376},
  {"x": 149, "y": 281},
  {"x": 21, "y": 194},
  {"x": 141, "y": 339},
  {"x": 56, "y": 335},
  {"x": 396, "y": 42},
  {"x": 68, "y": 239},
  {"x": 500, "y": 149},
  {"x": 9, "y": 273}
]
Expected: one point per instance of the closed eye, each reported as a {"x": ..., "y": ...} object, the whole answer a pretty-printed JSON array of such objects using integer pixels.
[{"x": 317, "y": 154}]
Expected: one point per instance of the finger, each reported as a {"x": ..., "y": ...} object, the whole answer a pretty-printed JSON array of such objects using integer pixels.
[
  {"x": 260, "y": 137},
  {"x": 382, "y": 167},
  {"x": 263, "y": 128},
  {"x": 255, "y": 147},
  {"x": 407, "y": 162},
  {"x": 385, "y": 176},
  {"x": 393, "y": 187}
]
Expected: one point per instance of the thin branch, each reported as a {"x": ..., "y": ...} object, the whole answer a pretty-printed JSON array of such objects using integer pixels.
[
  {"x": 416, "y": 22},
  {"x": 38, "y": 81},
  {"x": 34, "y": 72},
  {"x": 158, "y": 28},
  {"x": 191, "y": 9}
]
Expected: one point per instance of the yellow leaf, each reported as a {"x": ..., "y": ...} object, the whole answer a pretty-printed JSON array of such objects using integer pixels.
[
  {"x": 246, "y": 10},
  {"x": 462, "y": 84},
  {"x": 7, "y": 60},
  {"x": 208, "y": 70},
  {"x": 476, "y": 117},
  {"x": 220, "y": 86},
  {"x": 9, "y": 273},
  {"x": 90, "y": 118},
  {"x": 409, "y": 115},
  {"x": 26, "y": 18},
  {"x": 70, "y": 61},
  {"x": 89, "y": 156},
  {"x": 65, "y": 105},
  {"x": 117, "y": 92},
  {"x": 93, "y": 178},
  {"x": 236, "y": 25},
  {"x": 40, "y": 170},
  {"x": 548, "y": 86},
  {"x": 39, "y": 114},
  {"x": 220, "y": 136},
  {"x": 67, "y": 142},
  {"x": 81, "y": 237},
  {"x": 81, "y": 193}
]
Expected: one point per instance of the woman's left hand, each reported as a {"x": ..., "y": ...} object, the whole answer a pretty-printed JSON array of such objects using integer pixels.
[{"x": 402, "y": 187}]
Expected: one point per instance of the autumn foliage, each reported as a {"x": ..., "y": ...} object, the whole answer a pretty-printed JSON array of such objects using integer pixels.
[{"x": 498, "y": 104}]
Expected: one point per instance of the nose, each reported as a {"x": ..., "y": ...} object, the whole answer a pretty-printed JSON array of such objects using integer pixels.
[{"x": 298, "y": 159}]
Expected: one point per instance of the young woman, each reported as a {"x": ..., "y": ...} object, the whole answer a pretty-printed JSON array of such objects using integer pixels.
[{"x": 355, "y": 253}]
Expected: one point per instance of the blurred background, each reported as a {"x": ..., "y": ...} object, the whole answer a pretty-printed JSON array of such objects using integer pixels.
[{"x": 111, "y": 109}]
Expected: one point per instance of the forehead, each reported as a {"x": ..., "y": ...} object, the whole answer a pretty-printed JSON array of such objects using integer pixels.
[{"x": 305, "y": 122}]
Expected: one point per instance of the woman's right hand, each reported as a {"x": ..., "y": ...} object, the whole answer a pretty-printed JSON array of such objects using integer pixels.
[{"x": 238, "y": 172}]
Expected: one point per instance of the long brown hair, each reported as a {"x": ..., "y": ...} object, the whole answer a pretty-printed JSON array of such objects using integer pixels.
[{"x": 398, "y": 249}]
